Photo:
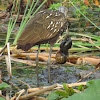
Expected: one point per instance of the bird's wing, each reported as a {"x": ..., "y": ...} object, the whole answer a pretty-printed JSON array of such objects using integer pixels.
[
  {"x": 30, "y": 34},
  {"x": 43, "y": 26},
  {"x": 52, "y": 22}
]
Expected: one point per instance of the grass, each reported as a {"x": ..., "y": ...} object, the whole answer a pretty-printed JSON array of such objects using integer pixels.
[
  {"x": 84, "y": 15},
  {"x": 25, "y": 19},
  {"x": 78, "y": 45}
]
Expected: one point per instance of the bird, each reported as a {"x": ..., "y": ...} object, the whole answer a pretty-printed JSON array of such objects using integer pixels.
[
  {"x": 44, "y": 27},
  {"x": 62, "y": 54}
]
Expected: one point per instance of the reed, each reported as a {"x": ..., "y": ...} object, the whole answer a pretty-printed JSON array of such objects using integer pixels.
[{"x": 25, "y": 18}]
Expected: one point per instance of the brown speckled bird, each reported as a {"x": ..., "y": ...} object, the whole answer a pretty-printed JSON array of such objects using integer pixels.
[{"x": 44, "y": 27}]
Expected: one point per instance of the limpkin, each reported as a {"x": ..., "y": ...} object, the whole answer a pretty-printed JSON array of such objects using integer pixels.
[
  {"x": 62, "y": 54},
  {"x": 44, "y": 27}
]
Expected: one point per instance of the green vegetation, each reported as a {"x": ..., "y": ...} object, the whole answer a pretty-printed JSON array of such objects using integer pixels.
[
  {"x": 24, "y": 20},
  {"x": 59, "y": 94},
  {"x": 3, "y": 85},
  {"x": 91, "y": 92},
  {"x": 82, "y": 10},
  {"x": 83, "y": 41}
]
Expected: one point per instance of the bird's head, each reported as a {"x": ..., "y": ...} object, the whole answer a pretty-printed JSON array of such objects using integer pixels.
[
  {"x": 64, "y": 10},
  {"x": 62, "y": 54}
]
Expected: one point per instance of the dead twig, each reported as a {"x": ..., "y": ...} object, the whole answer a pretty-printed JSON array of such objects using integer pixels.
[
  {"x": 28, "y": 96},
  {"x": 73, "y": 84},
  {"x": 59, "y": 86},
  {"x": 41, "y": 90},
  {"x": 8, "y": 60},
  {"x": 23, "y": 61},
  {"x": 3, "y": 49},
  {"x": 24, "y": 83},
  {"x": 18, "y": 94},
  {"x": 96, "y": 68},
  {"x": 91, "y": 41}
]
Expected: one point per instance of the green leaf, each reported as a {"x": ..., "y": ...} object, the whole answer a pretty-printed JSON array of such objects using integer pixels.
[
  {"x": 55, "y": 6},
  {"x": 62, "y": 93},
  {"x": 2, "y": 98},
  {"x": 3, "y": 86},
  {"x": 91, "y": 93},
  {"x": 85, "y": 44},
  {"x": 53, "y": 96},
  {"x": 80, "y": 87},
  {"x": 65, "y": 87},
  {"x": 84, "y": 15},
  {"x": 71, "y": 91},
  {"x": 90, "y": 82}
]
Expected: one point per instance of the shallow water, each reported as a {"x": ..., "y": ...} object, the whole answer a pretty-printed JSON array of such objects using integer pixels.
[{"x": 60, "y": 74}]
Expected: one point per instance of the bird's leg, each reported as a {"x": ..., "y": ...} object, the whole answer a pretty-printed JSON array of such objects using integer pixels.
[
  {"x": 37, "y": 60},
  {"x": 48, "y": 64}
]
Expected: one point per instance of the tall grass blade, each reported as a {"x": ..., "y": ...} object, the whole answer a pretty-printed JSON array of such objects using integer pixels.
[
  {"x": 85, "y": 16},
  {"x": 9, "y": 25},
  {"x": 86, "y": 35},
  {"x": 38, "y": 9},
  {"x": 11, "y": 22},
  {"x": 25, "y": 12},
  {"x": 26, "y": 19}
]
